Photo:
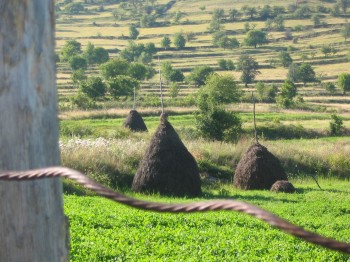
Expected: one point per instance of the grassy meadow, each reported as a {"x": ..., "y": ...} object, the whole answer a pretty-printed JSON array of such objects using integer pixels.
[{"x": 95, "y": 142}]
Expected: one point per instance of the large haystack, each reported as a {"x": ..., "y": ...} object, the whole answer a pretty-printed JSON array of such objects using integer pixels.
[
  {"x": 167, "y": 167},
  {"x": 135, "y": 122},
  {"x": 258, "y": 169},
  {"x": 283, "y": 186}
]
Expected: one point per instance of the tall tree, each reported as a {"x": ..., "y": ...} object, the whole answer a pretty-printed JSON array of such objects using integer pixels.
[
  {"x": 255, "y": 37},
  {"x": 344, "y": 82},
  {"x": 179, "y": 41},
  {"x": 249, "y": 67},
  {"x": 32, "y": 223}
]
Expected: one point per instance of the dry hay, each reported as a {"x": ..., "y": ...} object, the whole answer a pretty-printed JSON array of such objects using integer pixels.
[
  {"x": 283, "y": 186},
  {"x": 135, "y": 122},
  {"x": 167, "y": 166},
  {"x": 258, "y": 169}
]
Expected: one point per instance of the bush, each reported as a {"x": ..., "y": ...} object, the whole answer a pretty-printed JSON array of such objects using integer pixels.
[
  {"x": 93, "y": 87},
  {"x": 82, "y": 101},
  {"x": 336, "y": 125}
]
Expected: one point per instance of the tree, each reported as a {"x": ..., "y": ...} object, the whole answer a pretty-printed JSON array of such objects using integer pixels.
[
  {"x": 165, "y": 43},
  {"x": 285, "y": 58},
  {"x": 132, "y": 52},
  {"x": 249, "y": 11},
  {"x": 78, "y": 76},
  {"x": 170, "y": 74},
  {"x": 306, "y": 73},
  {"x": 316, "y": 19},
  {"x": 70, "y": 48},
  {"x": 179, "y": 41},
  {"x": 344, "y": 82},
  {"x": 114, "y": 67},
  {"x": 288, "y": 92},
  {"x": 266, "y": 93},
  {"x": 212, "y": 120},
  {"x": 226, "y": 64},
  {"x": 133, "y": 32},
  {"x": 330, "y": 87},
  {"x": 199, "y": 75},
  {"x": 78, "y": 62},
  {"x": 293, "y": 72},
  {"x": 233, "y": 14},
  {"x": 32, "y": 223},
  {"x": 249, "y": 67},
  {"x": 228, "y": 42},
  {"x": 255, "y": 37},
  {"x": 137, "y": 71},
  {"x": 345, "y": 31},
  {"x": 96, "y": 55},
  {"x": 74, "y": 8},
  {"x": 336, "y": 125},
  {"x": 100, "y": 55},
  {"x": 122, "y": 86},
  {"x": 93, "y": 87}
]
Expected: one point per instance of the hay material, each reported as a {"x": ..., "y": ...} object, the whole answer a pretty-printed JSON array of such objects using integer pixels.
[
  {"x": 258, "y": 169},
  {"x": 283, "y": 186},
  {"x": 167, "y": 166},
  {"x": 135, "y": 122}
]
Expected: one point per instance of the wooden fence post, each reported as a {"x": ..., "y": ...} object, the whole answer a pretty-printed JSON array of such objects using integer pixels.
[{"x": 32, "y": 222}]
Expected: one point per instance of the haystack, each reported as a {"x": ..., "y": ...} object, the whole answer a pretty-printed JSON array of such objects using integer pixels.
[
  {"x": 135, "y": 122},
  {"x": 167, "y": 167},
  {"x": 283, "y": 186},
  {"x": 258, "y": 169}
]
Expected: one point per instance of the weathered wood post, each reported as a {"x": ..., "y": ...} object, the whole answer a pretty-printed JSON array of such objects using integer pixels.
[{"x": 32, "y": 223}]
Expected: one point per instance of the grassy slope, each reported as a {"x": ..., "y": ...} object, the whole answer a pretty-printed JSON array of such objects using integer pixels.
[{"x": 105, "y": 231}]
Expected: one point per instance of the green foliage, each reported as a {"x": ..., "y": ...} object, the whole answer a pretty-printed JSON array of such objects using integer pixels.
[
  {"x": 100, "y": 229},
  {"x": 81, "y": 101},
  {"x": 93, "y": 87},
  {"x": 74, "y": 8},
  {"x": 344, "y": 82},
  {"x": 166, "y": 42},
  {"x": 179, "y": 41},
  {"x": 226, "y": 42},
  {"x": 255, "y": 37},
  {"x": 249, "y": 67},
  {"x": 70, "y": 48},
  {"x": 327, "y": 50},
  {"x": 266, "y": 93},
  {"x": 302, "y": 12},
  {"x": 95, "y": 55},
  {"x": 226, "y": 64},
  {"x": 137, "y": 70},
  {"x": 303, "y": 73},
  {"x": 336, "y": 125},
  {"x": 345, "y": 31},
  {"x": 212, "y": 120},
  {"x": 285, "y": 58},
  {"x": 174, "y": 90},
  {"x": 330, "y": 87},
  {"x": 133, "y": 32},
  {"x": 288, "y": 93},
  {"x": 114, "y": 67},
  {"x": 78, "y": 76},
  {"x": 122, "y": 85},
  {"x": 77, "y": 62},
  {"x": 199, "y": 74}
]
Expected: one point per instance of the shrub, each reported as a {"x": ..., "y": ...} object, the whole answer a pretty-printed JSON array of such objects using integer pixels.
[
  {"x": 336, "y": 125},
  {"x": 93, "y": 87}
]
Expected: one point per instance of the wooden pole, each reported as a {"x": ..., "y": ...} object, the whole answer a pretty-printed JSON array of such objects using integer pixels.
[{"x": 32, "y": 223}]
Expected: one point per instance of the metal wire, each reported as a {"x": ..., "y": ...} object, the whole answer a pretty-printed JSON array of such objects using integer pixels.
[{"x": 232, "y": 205}]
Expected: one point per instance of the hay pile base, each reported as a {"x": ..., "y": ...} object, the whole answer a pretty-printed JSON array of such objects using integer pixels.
[
  {"x": 258, "y": 169},
  {"x": 135, "y": 122},
  {"x": 167, "y": 166},
  {"x": 283, "y": 186}
]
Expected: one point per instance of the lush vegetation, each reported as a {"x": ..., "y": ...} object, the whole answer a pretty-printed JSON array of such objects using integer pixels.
[
  {"x": 105, "y": 231},
  {"x": 289, "y": 57}
]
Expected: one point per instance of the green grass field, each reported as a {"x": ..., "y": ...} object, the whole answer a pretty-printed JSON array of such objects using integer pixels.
[{"x": 105, "y": 231}]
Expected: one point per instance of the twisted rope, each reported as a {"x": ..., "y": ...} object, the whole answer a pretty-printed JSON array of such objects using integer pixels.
[{"x": 232, "y": 205}]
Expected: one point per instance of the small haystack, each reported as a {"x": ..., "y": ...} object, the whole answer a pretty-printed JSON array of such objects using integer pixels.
[
  {"x": 283, "y": 186},
  {"x": 135, "y": 122},
  {"x": 258, "y": 169},
  {"x": 167, "y": 167}
]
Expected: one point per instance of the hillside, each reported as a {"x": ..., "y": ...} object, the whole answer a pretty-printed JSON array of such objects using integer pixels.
[{"x": 304, "y": 37}]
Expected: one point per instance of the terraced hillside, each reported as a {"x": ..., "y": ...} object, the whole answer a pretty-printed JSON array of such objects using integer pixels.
[{"x": 304, "y": 37}]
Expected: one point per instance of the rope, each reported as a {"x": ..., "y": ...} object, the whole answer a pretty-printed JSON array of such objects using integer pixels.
[{"x": 232, "y": 205}]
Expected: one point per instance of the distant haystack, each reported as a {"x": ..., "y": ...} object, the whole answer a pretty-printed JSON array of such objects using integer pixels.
[
  {"x": 258, "y": 169},
  {"x": 135, "y": 122},
  {"x": 283, "y": 186},
  {"x": 167, "y": 166}
]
